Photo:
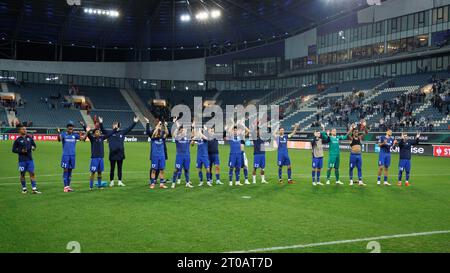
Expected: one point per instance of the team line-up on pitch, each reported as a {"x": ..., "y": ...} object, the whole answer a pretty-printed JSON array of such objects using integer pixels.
[{"x": 208, "y": 154}]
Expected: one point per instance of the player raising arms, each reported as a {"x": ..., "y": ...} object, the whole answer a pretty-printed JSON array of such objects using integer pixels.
[
  {"x": 259, "y": 157},
  {"x": 283, "y": 154},
  {"x": 405, "y": 157},
  {"x": 183, "y": 156},
  {"x": 384, "y": 158},
  {"x": 235, "y": 158},
  {"x": 202, "y": 156},
  {"x": 117, "y": 148},
  {"x": 157, "y": 154},
  {"x": 69, "y": 140},
  {"x": 356, "y": 136},
  {"x": 97, "y": 155},
  {"x": 334, "y": 157},
  {"x": 24, "y": 146},
  {"x": 317, "y": 156},
  {"x": 213, "y": 154}
]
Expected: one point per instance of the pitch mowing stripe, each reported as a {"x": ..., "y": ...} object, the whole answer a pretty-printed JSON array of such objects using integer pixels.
[{"x": 345, "y": 241}]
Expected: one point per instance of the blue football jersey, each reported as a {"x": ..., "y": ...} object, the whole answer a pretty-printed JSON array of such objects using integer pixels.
[
  {"x": 69, "y": 142},
  {"x": 182, "y": 145}
]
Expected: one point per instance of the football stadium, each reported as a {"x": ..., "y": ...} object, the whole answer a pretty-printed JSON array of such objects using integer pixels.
[{"x": 225, "y": 126}]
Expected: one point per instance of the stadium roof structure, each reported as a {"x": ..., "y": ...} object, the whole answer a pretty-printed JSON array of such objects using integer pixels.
[{"x": 147, "y": 24}]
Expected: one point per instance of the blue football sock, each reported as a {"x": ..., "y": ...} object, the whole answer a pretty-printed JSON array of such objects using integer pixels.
[
  {"x": 65, "y": 178},
  {"x": 246, "y": 173},
  {"x": 175, "y": 175},
  {"x": 152, "y": 181},
  {"x": 400, "y": 175},
  {"x": 33, "y": 184},
  {"x": 186, "y": 175},
  {"x": 69, "y": 177},
  {"x": 379, "y": 178},
  {"x": 318, "y": 176},
  {"x": 230, "y": 174},
  {"x": 289, "y": 171},
  {"x": 217, "y": 176},
  {"x": 200, "y": 176},
  {"x": 238, "y": 174},
  {"x": 351, "y": 174},
  {"x": 313, "y": 173},
  {"x": 385, "y": 179},
  {"x": 99, "y": 181},
  {"x": 24, "y": 183},
  {"x": 407, "y": 176},
  {"x": 279, "y": 172},
  {"x": 91, "y": 183},
  {"x": 179, "y": 174},
  {"x": 359, "y": 173},
  {"x": 162, "y": 181}
]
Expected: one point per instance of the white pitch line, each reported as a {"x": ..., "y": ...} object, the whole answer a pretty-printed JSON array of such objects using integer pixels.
[{"x": 345, "y": 241}]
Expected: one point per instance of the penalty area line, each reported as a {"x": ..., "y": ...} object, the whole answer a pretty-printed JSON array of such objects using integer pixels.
[{"x": 344, "y": 241}]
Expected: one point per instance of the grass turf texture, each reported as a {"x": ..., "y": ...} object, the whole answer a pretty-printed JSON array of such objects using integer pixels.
[{"x": 219, "y": 219}]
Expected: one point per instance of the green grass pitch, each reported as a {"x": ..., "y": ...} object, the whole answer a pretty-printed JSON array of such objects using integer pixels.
[{"x": 220, "y": 218}]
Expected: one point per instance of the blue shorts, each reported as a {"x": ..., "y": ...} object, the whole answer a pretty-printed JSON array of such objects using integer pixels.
[
  {"x": 182, "y": 161},
  {"x": 259, "y": 161},
  {"x": 96, "y": 165},
  {"x": 202, "y": 161},
  {"x": 235, "y": 161},
  {"x": 26, "y": 166},
  {"x": 68, "y": 162},
  {"x": 158, "y": 162},
  {"x": 284, "y": 160},
  {"x": 317, "y": 162},
  {"x": 356, "y": 161},
  {"x": 384, "y": 159},
  {"x": 214, "y": 159},
  {"x": 404, "y": 165}
]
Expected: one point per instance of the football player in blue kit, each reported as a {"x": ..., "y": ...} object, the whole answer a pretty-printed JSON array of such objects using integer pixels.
[
  {"x": 202, "y": 156},
  {"x": 157, "y": 155},
  {"x": 24, "y": 146},
  {"x": 259, "y": 157},
  {"x": 183, "y": 156},
  {"x": 235, "y": 157},
  {"x": 213, "y": 154},
  {"x": 404, "y": 165},
  {"x": 384, "y": 158},
  {"x": 69, "y": 141},
  {"x": 97, "y": 155},
  {"x": 283, "y": 153}
]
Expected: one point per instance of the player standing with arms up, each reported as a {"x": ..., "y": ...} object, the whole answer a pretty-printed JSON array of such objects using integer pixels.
[
  {"x": 317, "y": 157},
  {"x": 384, "y": 158},
  {"x": 235, "y": 158},
  {"x": 202, "y": 156},
  {"x": 69, "y": 140},
  {"x": 213, "y": 154},
  {"x": 356, "y": 137},
  {"x": 116, "y": 148},
  {"x": 259, "y": 157},
  {"x": 24, "y": 146},
  {"x": 97, "y": 155},
  {"x": 405, "y": 157},
  {"x": 334, "y": 157},
  {"x": 157, "y": 155},
  {"x": 183, "y": 156},
  {"x": 283, "y": 154}
]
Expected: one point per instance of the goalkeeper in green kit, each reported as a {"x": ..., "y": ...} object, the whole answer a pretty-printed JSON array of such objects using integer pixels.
[{"x": 334, "y": 154}]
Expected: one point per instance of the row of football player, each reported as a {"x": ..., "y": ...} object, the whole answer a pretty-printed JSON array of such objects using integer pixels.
[{"x": 208, "y": 154}]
